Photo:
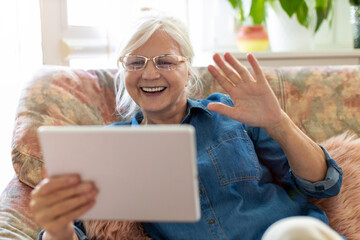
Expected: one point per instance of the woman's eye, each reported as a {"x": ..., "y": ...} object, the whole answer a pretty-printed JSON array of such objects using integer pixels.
[
  {"x": 165, "y": 63},
  {"x": 136, "y": 63}
]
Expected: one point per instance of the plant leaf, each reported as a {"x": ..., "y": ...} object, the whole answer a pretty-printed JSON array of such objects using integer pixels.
[
  {"x": 238, "y": 6},
  {"x": 325, "y": 6},
  {"x": 233, "y": 3},
  {"x": 320, "y": 17},
  {"x": 241, "y": 10},
  {"x": 257, "y": 11},
  {"x": 291, "y": 6},
  {"x": 302, "y": 15},
  {"x": 323, "y": 9},
  {"x": 355, "y": 2}
]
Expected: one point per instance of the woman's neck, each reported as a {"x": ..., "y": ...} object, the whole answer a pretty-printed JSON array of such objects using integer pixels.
[{"x": 169, "y": 118}]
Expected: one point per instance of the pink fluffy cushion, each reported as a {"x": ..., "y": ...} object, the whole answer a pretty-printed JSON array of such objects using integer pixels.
[
  {"x": 343, "y": 210},
  {"x": 111, "y": 230}
]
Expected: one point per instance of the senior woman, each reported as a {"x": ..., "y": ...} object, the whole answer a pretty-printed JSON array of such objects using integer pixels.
[{"x": 255, "y": 166}]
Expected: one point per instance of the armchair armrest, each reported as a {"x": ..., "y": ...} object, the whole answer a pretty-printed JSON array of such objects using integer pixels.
[{"x": 15, "y": 216}]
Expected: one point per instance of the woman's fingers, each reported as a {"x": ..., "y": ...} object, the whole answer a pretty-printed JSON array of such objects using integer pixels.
[
  {"x": 66, "y": 208},
  {"x": 239, "y": 68},
  {"x": 227, "y": 69},
  {"x": 231, "y": 72},
  {"x": 221, "y": 109},
  {"x": 57, "y": 226},
  {"x": 60, "y": 195},
  {"x": 226, "y": 83},
  {"x": 258, "y": 72},
  {"x": 48, "y": 185},
  {"x": 49, "y": 190},
  {"x": 58, "y": 201}
]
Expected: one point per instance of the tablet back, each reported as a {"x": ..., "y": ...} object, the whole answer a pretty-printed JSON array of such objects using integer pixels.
[{"x": 142, "y": 173}]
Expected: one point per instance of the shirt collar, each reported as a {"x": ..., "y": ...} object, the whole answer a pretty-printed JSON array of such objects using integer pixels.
[
  {"x": 138, "y": 117},
  {"x": 191, "y": 106}
]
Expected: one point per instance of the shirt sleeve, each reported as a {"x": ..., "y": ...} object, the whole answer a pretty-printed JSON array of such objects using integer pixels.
[
  {"x": 328, "y": 187},
  {"x": 270, "y": 154},
  {"x": 79, "y": 230}
]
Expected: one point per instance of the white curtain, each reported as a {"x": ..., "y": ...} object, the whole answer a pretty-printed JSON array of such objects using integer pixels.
[{"x": 20, "y": 55}]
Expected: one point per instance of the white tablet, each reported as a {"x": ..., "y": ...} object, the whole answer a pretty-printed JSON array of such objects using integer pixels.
[{"x": 143, "y": 173}]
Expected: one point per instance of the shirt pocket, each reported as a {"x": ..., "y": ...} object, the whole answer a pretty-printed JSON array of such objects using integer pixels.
[{"x": 234, "y": 158}]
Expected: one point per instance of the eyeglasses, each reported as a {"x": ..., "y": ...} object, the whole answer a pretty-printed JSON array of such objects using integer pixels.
[{"x": 163, "y": 62}]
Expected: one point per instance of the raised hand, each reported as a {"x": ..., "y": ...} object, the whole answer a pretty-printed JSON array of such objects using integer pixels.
[
  {"x": 255, "y": 103},
  {"x": 56, "y": 202}
]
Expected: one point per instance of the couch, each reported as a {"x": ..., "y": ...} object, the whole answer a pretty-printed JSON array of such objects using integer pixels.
[{"x": 324, "y": 101}]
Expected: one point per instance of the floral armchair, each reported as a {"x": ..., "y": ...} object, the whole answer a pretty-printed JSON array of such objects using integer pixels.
[{"x": 323, "y": 101}]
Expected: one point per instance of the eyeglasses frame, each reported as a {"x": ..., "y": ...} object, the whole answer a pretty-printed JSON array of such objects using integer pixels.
[{"x": 179, "y": 58}]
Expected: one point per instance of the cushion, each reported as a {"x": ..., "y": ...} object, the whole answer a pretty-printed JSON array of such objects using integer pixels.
[
  {"x": 114, "y": 230},
  {"x": 58, "y": 96},
  {"x": 343, "y": 210},
  {"x": 15, "y": 217},
  {"x": 323, "y": 101}
]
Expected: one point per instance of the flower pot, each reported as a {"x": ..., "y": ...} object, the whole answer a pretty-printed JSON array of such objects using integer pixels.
[
  {"x": 252, "y": 38},
  {"x": 285, "y": 33}
]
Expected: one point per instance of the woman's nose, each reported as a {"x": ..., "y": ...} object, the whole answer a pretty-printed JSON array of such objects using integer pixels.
[{"x": 150, "y": 71}]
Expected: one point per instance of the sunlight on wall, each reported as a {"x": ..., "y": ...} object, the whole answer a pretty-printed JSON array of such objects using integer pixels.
[{"x": 20, "y": 47}]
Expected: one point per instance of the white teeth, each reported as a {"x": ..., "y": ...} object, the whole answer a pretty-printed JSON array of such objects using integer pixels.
[{"x": 154, "y": 89}]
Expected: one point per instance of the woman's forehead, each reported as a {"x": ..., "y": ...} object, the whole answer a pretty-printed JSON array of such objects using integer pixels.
[{"x": 159, "y": 43}]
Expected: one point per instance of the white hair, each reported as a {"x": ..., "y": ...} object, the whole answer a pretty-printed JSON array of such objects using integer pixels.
[{"x": 139, "y": 34}]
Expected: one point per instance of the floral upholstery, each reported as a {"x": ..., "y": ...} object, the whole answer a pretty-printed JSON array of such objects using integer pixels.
[
  {"x": 58, "y": 97},
  {"x": 322, "y": 101}
]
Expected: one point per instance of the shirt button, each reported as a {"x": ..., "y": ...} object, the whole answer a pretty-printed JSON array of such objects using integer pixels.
[
  {"x": 200, "y": 191},
  {"x": 211, "y": 221}
]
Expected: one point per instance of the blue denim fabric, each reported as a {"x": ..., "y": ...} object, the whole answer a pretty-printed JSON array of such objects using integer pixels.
[
  {"x": 245, "y": 182},
  {"x": 79, "y": 230}
]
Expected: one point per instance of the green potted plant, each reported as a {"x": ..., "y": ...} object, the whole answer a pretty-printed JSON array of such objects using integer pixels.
[
  {"x": 355, "y": 12},
  {"x": 251, "y": 33},
  {"x": 298, "y": 7},
  {"x": 309, "y": 14}
]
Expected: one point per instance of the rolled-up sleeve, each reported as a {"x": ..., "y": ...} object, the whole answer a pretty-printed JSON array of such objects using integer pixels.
[
  {"x": 328, "y": 187},
  {"x": 271, "y": 155}
]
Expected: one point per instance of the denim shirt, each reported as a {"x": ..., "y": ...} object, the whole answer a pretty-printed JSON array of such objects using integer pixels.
[{"x": 245, "y": 181}]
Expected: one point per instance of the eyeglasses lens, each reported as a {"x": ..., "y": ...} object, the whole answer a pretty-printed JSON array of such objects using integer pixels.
[
  {"x": 134, "y": 63},
  {"x": 165, "y": 62}
]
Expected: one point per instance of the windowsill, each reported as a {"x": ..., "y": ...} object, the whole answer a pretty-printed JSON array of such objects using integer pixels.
[
  {"x": 340, "y": 56},
  {"x": 303, "y": 54}
]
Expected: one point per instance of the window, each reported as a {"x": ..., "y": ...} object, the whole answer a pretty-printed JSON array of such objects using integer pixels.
[
  {"x": 86, "y": 33},
  {"x": 20, "y": 55}
]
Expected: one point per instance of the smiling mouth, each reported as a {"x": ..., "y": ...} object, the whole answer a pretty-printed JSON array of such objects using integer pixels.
[{"x": 153, "y": 89}]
